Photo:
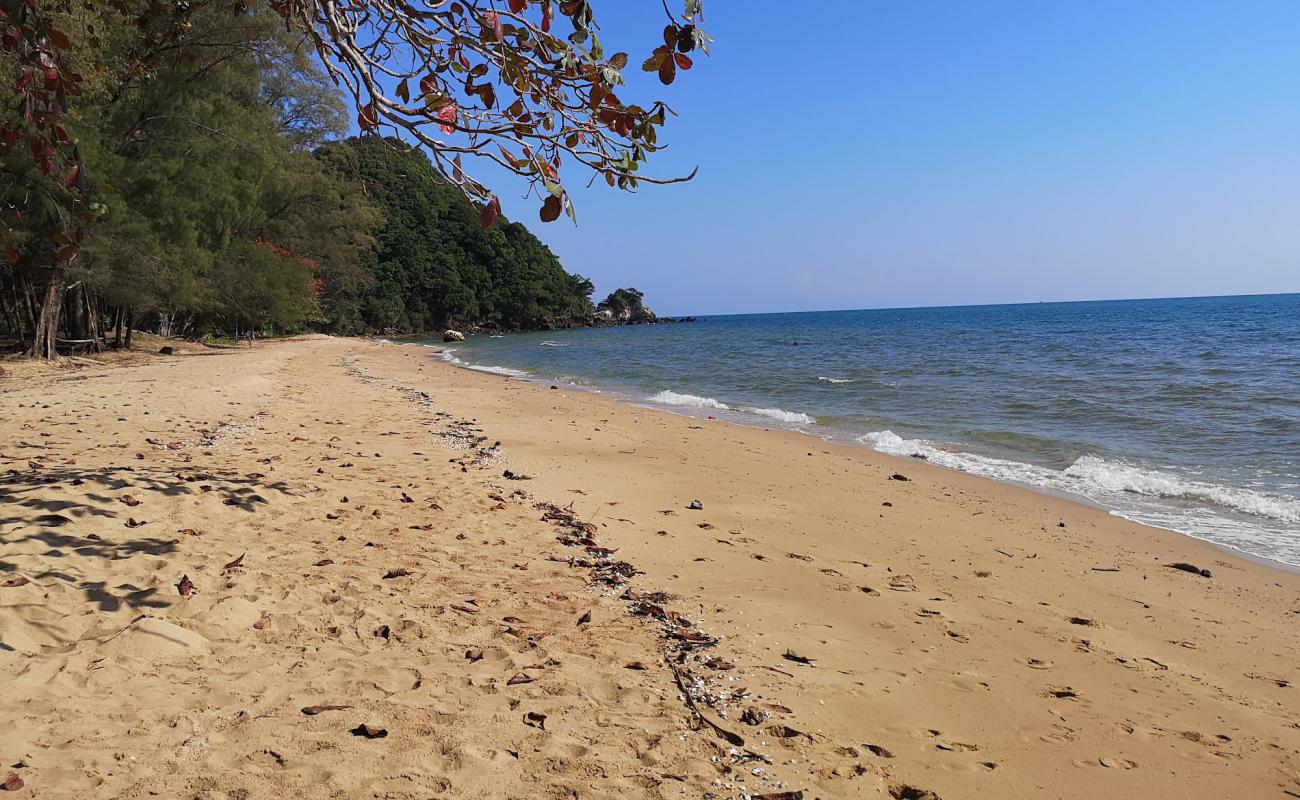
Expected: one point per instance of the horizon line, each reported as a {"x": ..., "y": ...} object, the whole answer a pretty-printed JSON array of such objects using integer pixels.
[{"x": 992, "y": 305}]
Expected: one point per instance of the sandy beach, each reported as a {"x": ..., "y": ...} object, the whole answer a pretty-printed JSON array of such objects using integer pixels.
[{"x": 341, "y": 568}]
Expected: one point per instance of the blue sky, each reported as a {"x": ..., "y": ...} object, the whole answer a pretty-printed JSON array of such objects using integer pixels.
[{"x": 872, "y": 154}]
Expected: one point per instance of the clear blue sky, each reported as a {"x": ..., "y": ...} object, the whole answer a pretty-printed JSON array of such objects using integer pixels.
[{"x": 919, "y": 152}]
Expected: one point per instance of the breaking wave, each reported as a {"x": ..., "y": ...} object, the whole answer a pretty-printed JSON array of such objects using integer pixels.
[
  {"x": 782, "y": 415},
  {"x": 1096, "y": 479},
  {"x": 450, "y": 357},
  {"x": 670, "y": 398}
]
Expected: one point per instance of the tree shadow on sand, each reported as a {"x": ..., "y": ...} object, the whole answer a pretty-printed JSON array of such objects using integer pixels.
[{"x": 74, "y": 527}]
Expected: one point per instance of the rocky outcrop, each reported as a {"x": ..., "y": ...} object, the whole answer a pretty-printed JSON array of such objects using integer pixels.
[
  {"x": 625, "y": 307},
  {"x": 452, "y": 336}
]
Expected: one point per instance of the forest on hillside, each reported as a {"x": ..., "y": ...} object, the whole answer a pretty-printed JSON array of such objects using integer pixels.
[{"x": 224, "y": 198}]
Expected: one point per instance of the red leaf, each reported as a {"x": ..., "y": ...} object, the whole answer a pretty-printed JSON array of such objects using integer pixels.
[
  {"x": 368, "y": 118},
  {"x": 59, "y": 38},
  {"x": 546, "y": 18},
  {"x": 517, "y": 6},
  {"x": 519, "y": 678},
  {"x": 236, "y": 564},
  {"x": 448, "y": 116},
  {"x": 12, "y": 782},
  {"x": 489, "y": 214},
  {"x": 18, "y": 581},
  {"x": 683, "y": 61},
  {"x": 185, "y": 586}
]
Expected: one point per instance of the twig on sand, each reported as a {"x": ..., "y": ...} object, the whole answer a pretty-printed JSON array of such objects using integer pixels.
[
  {"x": 731, "y": 737},
  {"x": 119, "y": 633},
  {"x": 774, "y": 669}
]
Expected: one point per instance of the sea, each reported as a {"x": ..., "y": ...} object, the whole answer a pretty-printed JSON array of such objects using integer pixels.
[{"x": 1181, "y": 413}]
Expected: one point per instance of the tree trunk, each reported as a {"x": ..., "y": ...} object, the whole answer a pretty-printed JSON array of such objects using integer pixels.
[
  {"x": 130, "y": 321},
  {"x": 47, "y": 324},
  {"x": 14, "y": 314},
  {"x": 117, "y": 328},
  {"x": 92, "y": 321}
]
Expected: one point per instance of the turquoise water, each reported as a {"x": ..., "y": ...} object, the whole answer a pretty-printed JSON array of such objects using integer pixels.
[{"x": 1184, "y": 414}]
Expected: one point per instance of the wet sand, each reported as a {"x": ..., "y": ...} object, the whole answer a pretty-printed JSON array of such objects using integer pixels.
[{"x": 574, "y": 629}]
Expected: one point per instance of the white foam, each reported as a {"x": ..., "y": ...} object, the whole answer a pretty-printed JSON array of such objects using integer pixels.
[
  {"x": 782, "y": 415},
  {"x": 837, "y": 380},
  {"x": 689, "y": 400},
  {"x": 450, "y": 357},
  {"x": 1106, "y": 482},
  {"x": 1125, "y": 478},
  {"x": 507, "y": 371}
]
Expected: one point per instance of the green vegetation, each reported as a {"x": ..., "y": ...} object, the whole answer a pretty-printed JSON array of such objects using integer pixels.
[
  {"x": 625, "y": 305},
  {"x": 176, "y": 166},
  {"x": 434, "y": 265},
  {"x": 218, "y": 199}
]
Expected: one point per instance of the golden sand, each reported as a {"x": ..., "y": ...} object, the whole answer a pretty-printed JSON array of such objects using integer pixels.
[{"x": 296, "y": 570}]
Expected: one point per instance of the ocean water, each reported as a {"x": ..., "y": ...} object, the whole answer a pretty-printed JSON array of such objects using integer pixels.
[{"x": 1182, "y": 413}]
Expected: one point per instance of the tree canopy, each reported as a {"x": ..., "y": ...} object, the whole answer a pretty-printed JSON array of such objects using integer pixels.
[
  {"x": 435, "y": 266},
  {"x": 177, "y": 160}
]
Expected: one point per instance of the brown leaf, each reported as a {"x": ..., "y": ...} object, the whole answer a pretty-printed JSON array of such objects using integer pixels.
[
  {"x": 129, "y": 500},
  {"x": 797, "y": 794},
  {"x": 464, "y": 609},
  {"x": 488, "y": 215},
  {"x": 132, "y": 522},
  {"x": 185, "y": 586},
  {"x": 236, "y": 564},
  {"x": 406, "y": 498},
  {"x": 189, "y": 532},
  {"x": 263, "y": 623},
  {"x": 512, "y": 620},
  {"x": 15, "y": 581},
  {"x": 396, "y": 573},
  {"x": 551, "y": 209},
  {"x": 312, "y": 711},
  {"x": 474, "y": 654},
  {"x": 535, "y": 720},
  {"x": 519, "y": 678},
  {"x": 585, "y": 618},
  {"x": 369, "y": 731},
  {"x": 636, "y": 665},
  {"x": 12, "y": 782},
  {"x": 324, "y": 562}
]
